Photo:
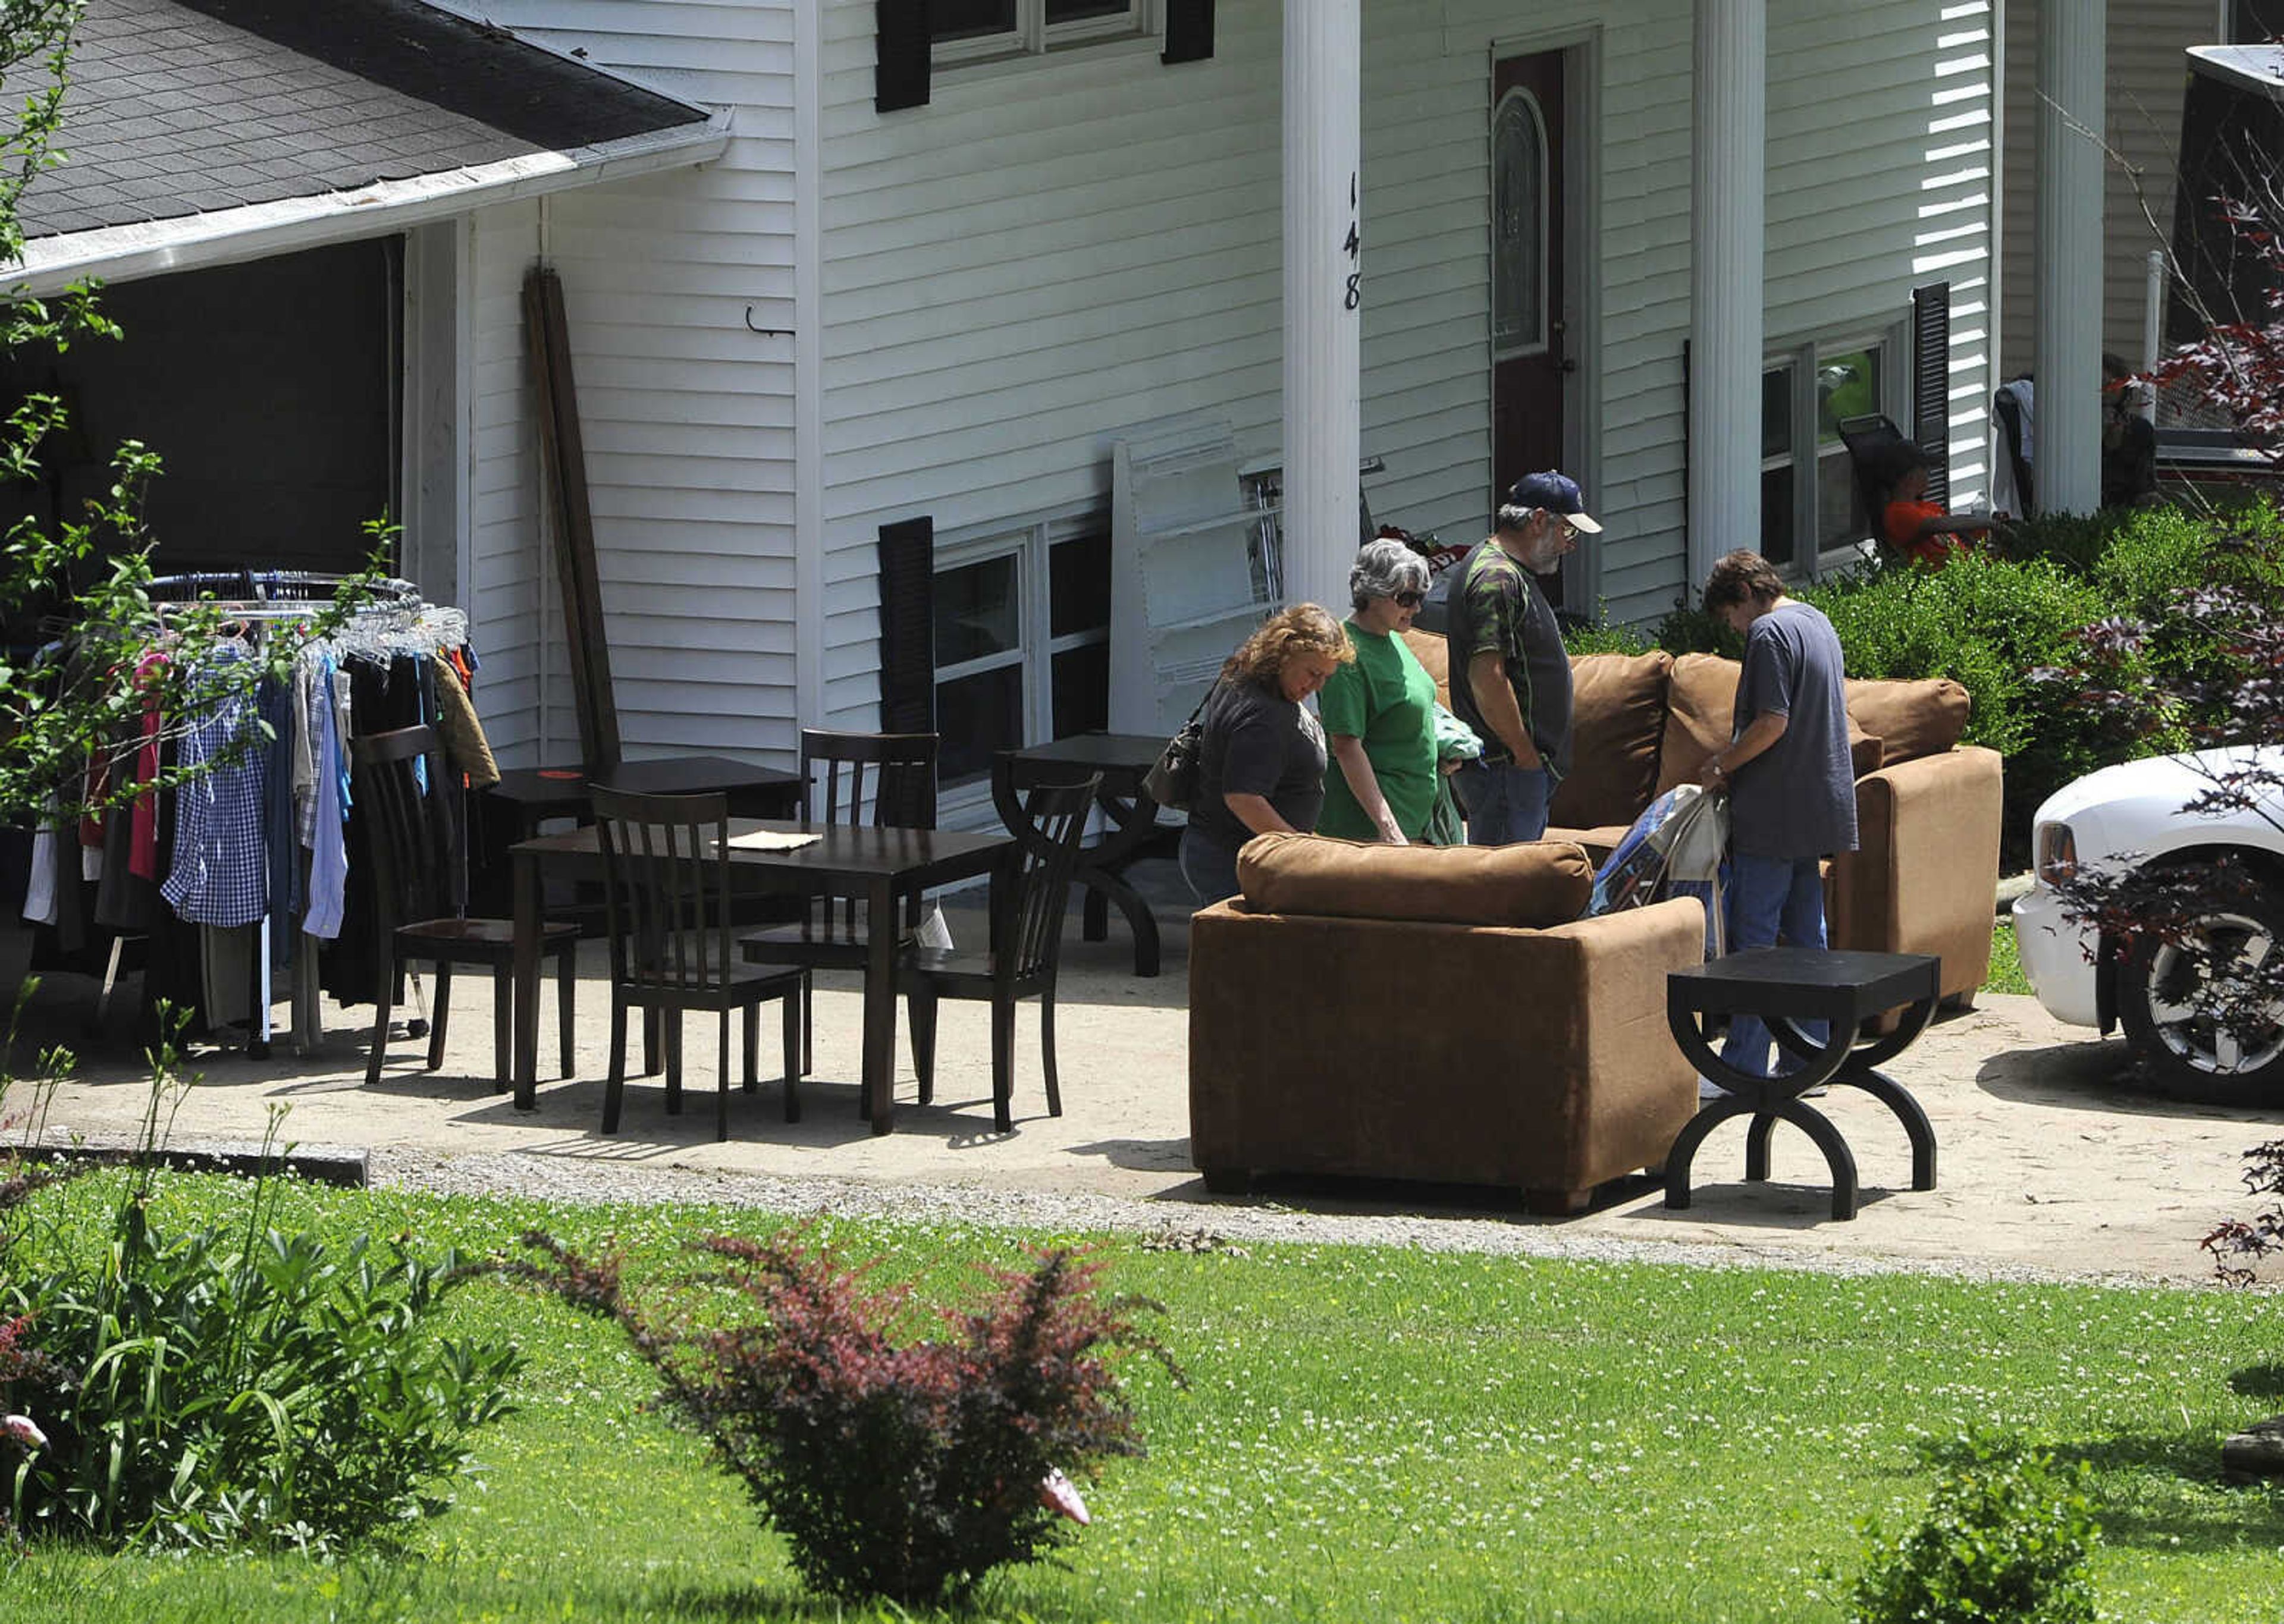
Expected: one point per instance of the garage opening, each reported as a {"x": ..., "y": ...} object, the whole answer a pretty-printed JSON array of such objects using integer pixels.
[{"x": 270, "y": 391}]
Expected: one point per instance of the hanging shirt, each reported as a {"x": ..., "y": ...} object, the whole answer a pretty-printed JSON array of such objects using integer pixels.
[
  {"x": 329, "y": 856},
  {"x": 40, "y": 894},
  {"x": 278, "y": 829},
  {"x": 305, "y": 746},
  {"x": 462, "y": 731},
  {"x": 220, "y": 873},
  {"x": 143, "y": 843}
]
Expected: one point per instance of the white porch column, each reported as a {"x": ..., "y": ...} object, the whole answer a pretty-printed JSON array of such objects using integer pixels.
[
  {"x": 2065, "y": 462},
  {"x": 1727, "y": 220},
  {"x": 1324, "y": 264}
]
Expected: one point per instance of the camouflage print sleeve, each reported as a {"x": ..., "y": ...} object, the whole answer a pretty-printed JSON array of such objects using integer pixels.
[{"x": 1494, "y": 612}]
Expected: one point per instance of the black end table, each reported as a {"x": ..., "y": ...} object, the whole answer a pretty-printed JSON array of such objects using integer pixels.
[
  {"x": 1785, "y": 986},
  {"x": 1132, "y": 832}
]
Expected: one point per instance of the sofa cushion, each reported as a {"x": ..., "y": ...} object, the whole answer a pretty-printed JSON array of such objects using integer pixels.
[
  {"x": 1433, "y": 653},
  {"x": 1618, "y": 711},
  {"x": 1700, "y": 717},
  {"x": 1912, "y": 718},
  {"x": 1867, "y": 753},
  {"x": 1597, "y": 844},
  {"x": 1537, "y": 884},
  {"x": 1702, "y": 695}
]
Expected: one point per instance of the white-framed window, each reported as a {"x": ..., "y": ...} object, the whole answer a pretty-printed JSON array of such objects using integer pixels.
[
  {"x": 1812, "y": 516},
  {"x": 980, "y": 30},
  {"x": 1022, "y": 639}
]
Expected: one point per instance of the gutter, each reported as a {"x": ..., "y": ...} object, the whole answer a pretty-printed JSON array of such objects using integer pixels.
[{"x": 259, "y": 231}]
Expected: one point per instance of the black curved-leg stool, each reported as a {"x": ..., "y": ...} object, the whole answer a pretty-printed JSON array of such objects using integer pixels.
[{"x": 1786, "y": 986}]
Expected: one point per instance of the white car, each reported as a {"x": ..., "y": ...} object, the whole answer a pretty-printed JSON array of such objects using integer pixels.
[{"x": 2133, "y": 816}]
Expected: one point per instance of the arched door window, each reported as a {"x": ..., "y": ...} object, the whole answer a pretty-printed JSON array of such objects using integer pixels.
[{"x": 1518, "y": 226}]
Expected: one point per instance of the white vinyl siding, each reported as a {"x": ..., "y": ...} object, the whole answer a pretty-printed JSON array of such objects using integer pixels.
[
  {"x": 1881, "y": 178},
  {"x": 1059, "y": 246},
  {"x": 1053, "y": 250},
  {"x": 515, "y": 617},
  {"x": 2142, "y": 111},
  {"x": 686, "y": 409}
]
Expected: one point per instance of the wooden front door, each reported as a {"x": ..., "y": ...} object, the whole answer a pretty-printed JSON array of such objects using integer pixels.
[{"x": 1528, "y": 359}]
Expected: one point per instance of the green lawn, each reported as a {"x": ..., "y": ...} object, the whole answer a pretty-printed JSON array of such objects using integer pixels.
[
  {"x": 1369, "y": 1433},
  {"x": 2005, "y": 961}
]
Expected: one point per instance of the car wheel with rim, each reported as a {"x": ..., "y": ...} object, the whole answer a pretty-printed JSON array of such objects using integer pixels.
[{"x": 2175, "y": 1025}]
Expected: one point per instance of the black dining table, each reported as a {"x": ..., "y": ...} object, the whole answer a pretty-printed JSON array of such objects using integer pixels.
[
  {"x": 1130, "y": 831},
  {"x": 881, "y": 866},
  {"x": 527, "y": 797}
]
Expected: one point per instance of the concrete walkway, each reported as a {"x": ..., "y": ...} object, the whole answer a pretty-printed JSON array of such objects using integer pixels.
[{"x": 2046, "y": 1161}]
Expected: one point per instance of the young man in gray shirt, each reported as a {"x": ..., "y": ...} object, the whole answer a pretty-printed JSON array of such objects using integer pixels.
[{"x": 1791, "y": 787}]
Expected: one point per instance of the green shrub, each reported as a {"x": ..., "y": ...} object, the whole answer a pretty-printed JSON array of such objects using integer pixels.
[
  {"x": 2006, "y": 1538},
  {"x": 1687, "y": 629},
  {"x": 2157, "y": 563},
  {"x": 2025, "y": 626},
  {"x": 230, "y": 1384},
  {"x": 907, "y": 1469},
  {"x": 2071, "y": 542},
  {"x": 244, "y": 1386},
  {"x": 1988, "y": 623},
  {"x": 1602, "y": 638}
]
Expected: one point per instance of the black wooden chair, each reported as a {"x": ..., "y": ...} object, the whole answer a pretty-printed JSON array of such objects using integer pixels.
[
  {"x": 1026, "y": 935},
  {"x": 885, "y": 780},
  {"x": 404, "y": 836},
  {"x": 667, "y": 895}
]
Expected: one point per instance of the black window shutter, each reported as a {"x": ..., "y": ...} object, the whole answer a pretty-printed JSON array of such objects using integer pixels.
[
  {"x": 908, "y": 626},
  {"x": 1931, "y": 383},
  {"x": 1189, "y": 31},
  {"x": 900, "y": 44}
]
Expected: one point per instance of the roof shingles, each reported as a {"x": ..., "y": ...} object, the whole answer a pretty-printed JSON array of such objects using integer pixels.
[{"x": 182, "y": 106}]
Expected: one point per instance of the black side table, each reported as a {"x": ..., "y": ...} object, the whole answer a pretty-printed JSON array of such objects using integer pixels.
[
  {"x": 1133, "y": 830},
  {"x": 1784, "y": 986}
]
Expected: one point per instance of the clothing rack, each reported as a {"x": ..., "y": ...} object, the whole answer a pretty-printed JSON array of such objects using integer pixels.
[
  {"x": 271, "y": 586},
  {"x": 394, "y": 621}
]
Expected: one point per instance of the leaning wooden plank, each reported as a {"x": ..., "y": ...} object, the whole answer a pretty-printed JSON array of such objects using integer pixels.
[{"x": 564, "y": 461}]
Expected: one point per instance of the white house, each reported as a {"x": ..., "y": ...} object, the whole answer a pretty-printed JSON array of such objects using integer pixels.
[
  {"x": 864, "y": 279},
  {"x": 1072, "y": 236}
]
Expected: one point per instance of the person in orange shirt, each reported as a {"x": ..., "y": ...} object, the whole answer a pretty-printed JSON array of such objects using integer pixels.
[{"x": 1920, "y": 529}]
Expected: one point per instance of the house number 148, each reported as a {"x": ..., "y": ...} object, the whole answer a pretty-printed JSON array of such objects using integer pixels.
[{"x": 1352, "y": 248}]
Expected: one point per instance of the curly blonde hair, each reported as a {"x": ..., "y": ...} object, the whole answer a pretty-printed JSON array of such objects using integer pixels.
[{"x": 1285, "y": 636}]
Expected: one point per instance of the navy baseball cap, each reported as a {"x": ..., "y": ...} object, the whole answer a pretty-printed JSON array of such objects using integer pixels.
[{"x": 1557, "y": 493}]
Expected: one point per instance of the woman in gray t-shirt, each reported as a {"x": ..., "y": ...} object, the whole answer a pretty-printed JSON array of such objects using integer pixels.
[{"x": 1261, "y": 765}]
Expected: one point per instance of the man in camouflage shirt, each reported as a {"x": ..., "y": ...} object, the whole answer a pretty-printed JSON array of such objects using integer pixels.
[{"x": 1510, "y": 677}]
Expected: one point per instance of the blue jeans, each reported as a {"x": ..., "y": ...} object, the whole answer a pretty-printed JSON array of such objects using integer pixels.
[
  {"x": 1503, "y": 804},
  {"x": 1209, "y": 867},
  {"x": 1771, "y": 899}
]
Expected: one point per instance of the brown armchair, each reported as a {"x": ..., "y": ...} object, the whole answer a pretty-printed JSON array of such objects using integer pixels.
[{"x": 1442, "y": 1046}]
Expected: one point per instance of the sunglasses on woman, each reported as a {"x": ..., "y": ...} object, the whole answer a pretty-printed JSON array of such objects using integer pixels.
[{"x": 1408, "y": 600}]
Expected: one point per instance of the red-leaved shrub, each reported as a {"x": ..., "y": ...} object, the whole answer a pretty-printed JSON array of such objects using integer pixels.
[{"x": 899, "y": 1469}]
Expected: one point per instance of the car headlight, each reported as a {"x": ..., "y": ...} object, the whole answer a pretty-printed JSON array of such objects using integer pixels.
[{"x": 2057, "y": 854}]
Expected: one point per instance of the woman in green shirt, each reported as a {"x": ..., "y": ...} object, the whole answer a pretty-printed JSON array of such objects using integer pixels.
[{"x": 1379, "y": 710}]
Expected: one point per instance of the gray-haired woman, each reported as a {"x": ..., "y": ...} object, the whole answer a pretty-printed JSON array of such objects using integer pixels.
[{"x": 1380, "y": 711}]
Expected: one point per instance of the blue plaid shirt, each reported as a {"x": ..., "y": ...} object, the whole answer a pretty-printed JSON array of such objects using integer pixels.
[{"x": 221, "y": 868}]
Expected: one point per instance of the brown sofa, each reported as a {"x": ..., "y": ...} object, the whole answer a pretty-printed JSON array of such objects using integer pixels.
[
  {"x": 1926, "y": 872},
  {"x": 1433, "y": 1014}
]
